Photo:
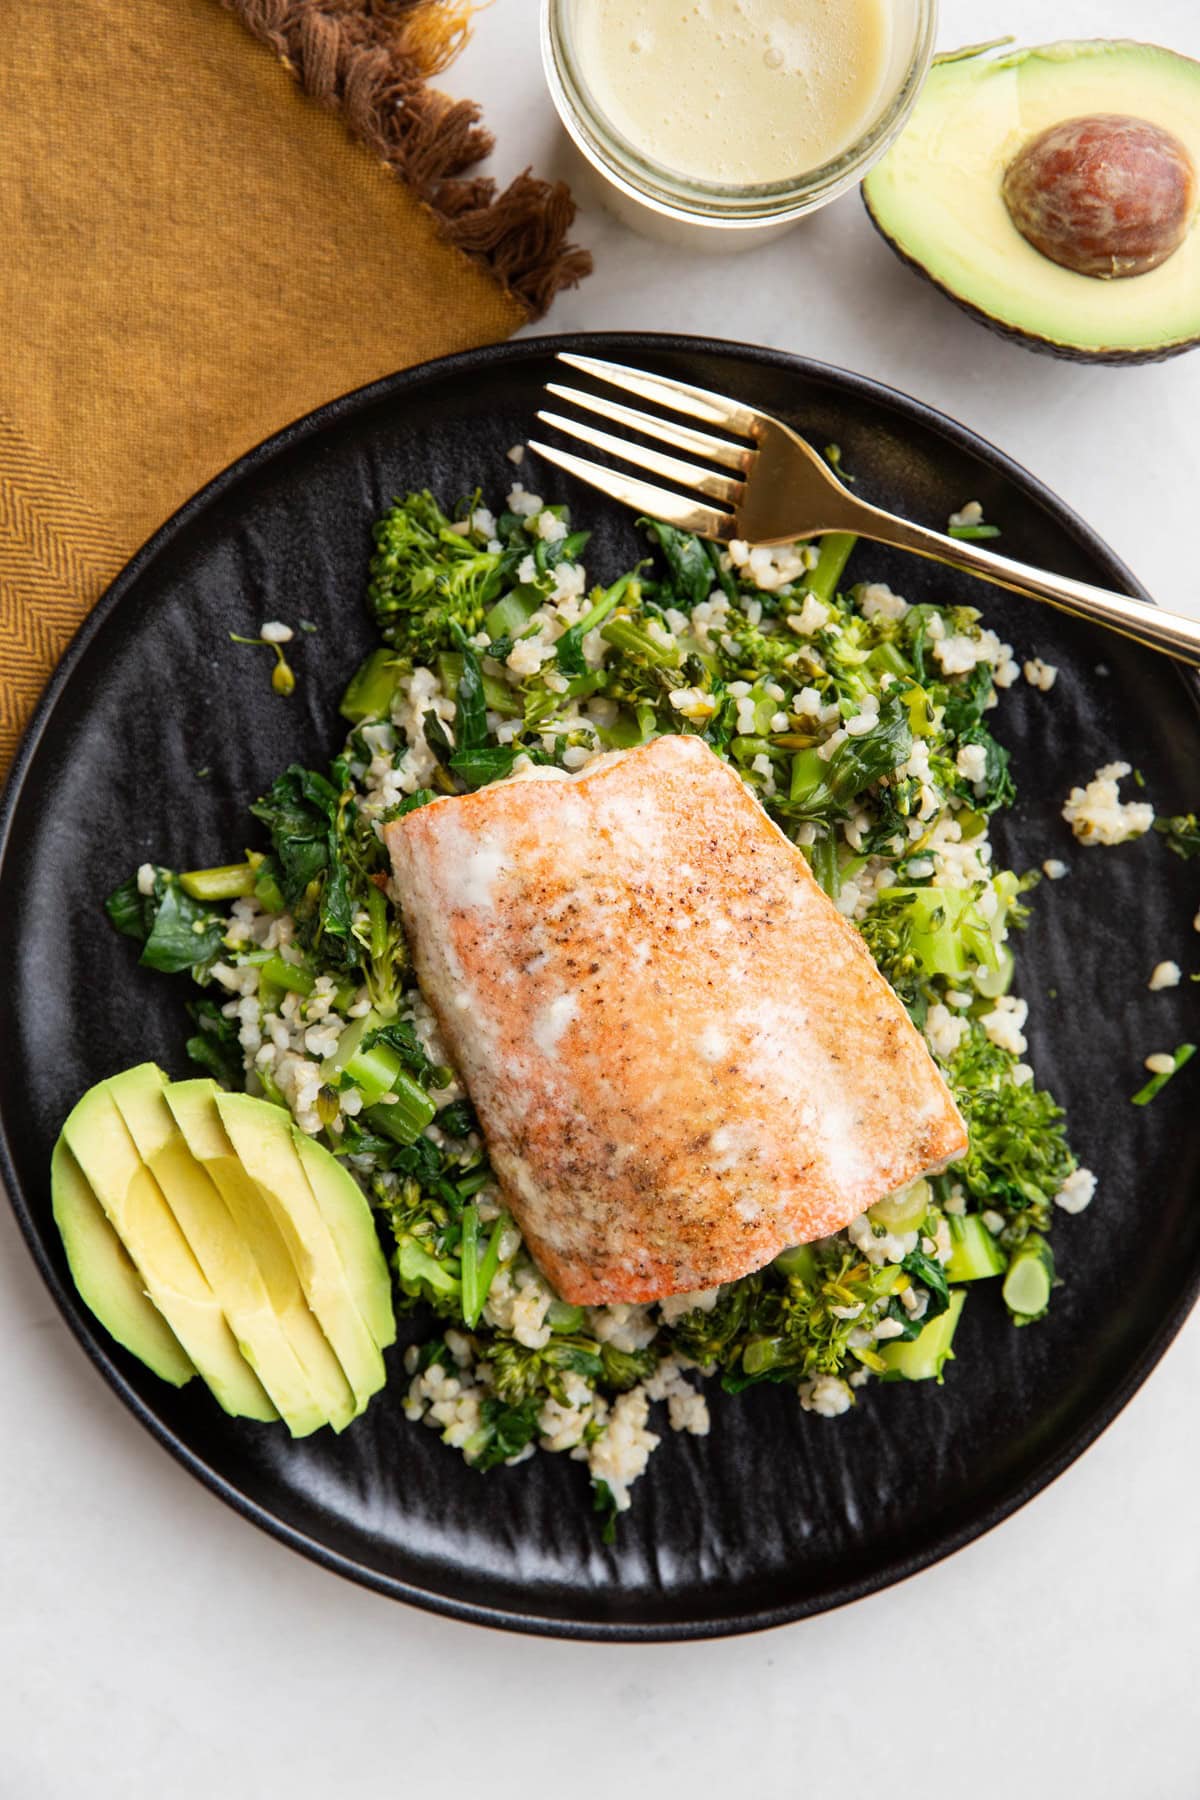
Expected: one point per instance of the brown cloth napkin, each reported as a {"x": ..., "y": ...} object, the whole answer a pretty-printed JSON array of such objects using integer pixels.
[{"x": 195, "y": 252}]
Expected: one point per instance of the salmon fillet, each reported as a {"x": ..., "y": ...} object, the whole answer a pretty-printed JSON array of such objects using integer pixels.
[{"x": 682, "y": 1057}]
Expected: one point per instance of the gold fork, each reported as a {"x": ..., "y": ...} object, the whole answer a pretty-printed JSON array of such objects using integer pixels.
[{"x": 777, "y": 489}]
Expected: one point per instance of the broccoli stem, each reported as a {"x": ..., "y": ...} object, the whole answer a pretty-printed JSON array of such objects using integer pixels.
[
  {"x": 608, "y": 602},
  {"x": 975, "y": 1254},
  {"x": 271, "y": 1090},
  {"x": 745, "y": 749},
  {"x": 825, "y": 865},
  {"x": 268, "y": 892},
  {"x": 490, "y": 1262},
  {"x": 634, "y": 640},
  {"x": 287, "y": 976},
  {"x": 923, "y": 1358},
  {"x": 379, "y": 1071},
  {"x": 799, "y": 1262},
  {"x": 232, "y": 881},
  {"x": 538, "y": 708},
  {"x": 951, "y": 937},
  {"x": 510, "y": 616},
  {"x": 763, "y": 1353},
  {"x": 646, "y": 718},
  {"x": 497, "y": 694},
  {"x": 624, "y": 733},
  {"x": 1030, "y": 1277},
  {"x": 269, "y": 996},
  {"x": 834, "y": 555},
  {"x": 903, "y": 1210},
  {"x": 472, "y": 1299},
  {"x": 919, "y": 709},
  {"x": 407, "y": 1116},
  {"x": 991, "y": 983},
  {"x": 422, "y": 1274},
  {"x": 562, "y": 1317},
  {"x": 1157, "y": 1083},
  {"x": 377, "y": 914},
  {"x": 371, "y": 688},
  {"x": 887, "y": 659},
  {"x": 808, "y": 774}
]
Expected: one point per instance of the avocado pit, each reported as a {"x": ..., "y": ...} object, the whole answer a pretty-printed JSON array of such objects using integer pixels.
[{"x": 1106, "y": 195}]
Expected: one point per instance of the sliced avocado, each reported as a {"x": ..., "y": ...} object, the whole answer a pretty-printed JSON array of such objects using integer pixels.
[
  {"x": 133, "y": 1202},
  {"x": 193, "y": 1104},
  {"x": 262, "y": 1136},
  {"x": 217, "y": 1244},
  {"x": 938, "y": 195},
  {"x": 105, "y": 1276},
  {"x": 348, "y": 1216}
]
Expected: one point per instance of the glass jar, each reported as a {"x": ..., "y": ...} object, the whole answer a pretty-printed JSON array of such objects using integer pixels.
[{"x": 666, "y": 203}]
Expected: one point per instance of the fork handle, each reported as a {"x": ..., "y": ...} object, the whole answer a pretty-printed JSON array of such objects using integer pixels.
[{"x": 1140, "y": 620}]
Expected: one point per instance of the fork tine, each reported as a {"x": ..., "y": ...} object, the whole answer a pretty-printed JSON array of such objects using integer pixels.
[
  {"x": 643, "y": 496},
  {"x": 644, "y": 456},
  {"x": 660, "y": 390},
  {"x": 667, "y": 431}
]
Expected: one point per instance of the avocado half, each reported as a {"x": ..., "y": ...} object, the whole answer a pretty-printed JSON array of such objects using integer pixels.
[{"x": 936, "y": 196}]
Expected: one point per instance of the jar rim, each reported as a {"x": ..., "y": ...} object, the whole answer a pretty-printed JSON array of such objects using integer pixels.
[{"x": 670, "y": 192}]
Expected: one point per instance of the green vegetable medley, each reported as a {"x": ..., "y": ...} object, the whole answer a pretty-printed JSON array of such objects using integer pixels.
[{"x": 863, "y": 726}]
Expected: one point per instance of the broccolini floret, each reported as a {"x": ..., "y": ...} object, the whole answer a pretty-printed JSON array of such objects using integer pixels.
[
  {"x": 713, "y": 1337},
  {"x": 521, "y": 1373},
  {"x": 425, "y": 577},
  {"x": 1019, "y": 1156},
  {"x": 799, "y": 1327},
  {"x": 1182, "y": 834}
]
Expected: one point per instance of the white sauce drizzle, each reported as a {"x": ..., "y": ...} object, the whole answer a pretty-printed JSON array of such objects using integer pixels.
[{"x": 551, "y": 1022}]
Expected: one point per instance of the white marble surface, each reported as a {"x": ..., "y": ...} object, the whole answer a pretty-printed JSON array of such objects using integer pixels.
[{"x": 153, "y": 1645}]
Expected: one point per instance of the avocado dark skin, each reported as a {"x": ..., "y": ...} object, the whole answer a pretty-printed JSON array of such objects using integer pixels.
[{"x": 1015, "y": 335}]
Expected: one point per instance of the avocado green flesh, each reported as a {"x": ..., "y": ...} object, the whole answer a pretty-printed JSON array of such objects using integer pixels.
[
  {"x": 193, "y": 1105},
  {"x": 97, "y": 1136},
  {"x": 218, "y": 1245},
  {"x": 106, "y": 1277},
  {"x": 353, "y": 1230},
  {"x": 264, "y": 1141},
  {"x": 937, "y": 196}
]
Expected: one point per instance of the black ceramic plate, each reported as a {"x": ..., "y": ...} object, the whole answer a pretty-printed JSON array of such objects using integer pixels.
[{"x": 156, "y": 733}]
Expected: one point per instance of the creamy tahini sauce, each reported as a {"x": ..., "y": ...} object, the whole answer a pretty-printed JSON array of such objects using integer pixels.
[{"x": 738, "y": 92}]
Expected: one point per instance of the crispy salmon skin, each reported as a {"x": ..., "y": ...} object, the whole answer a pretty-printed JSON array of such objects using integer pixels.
[{"x": 682, "y": 1057}]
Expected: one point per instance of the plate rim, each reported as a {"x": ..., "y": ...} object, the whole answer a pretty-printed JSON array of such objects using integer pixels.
[{"x": 616, "y": 344}]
